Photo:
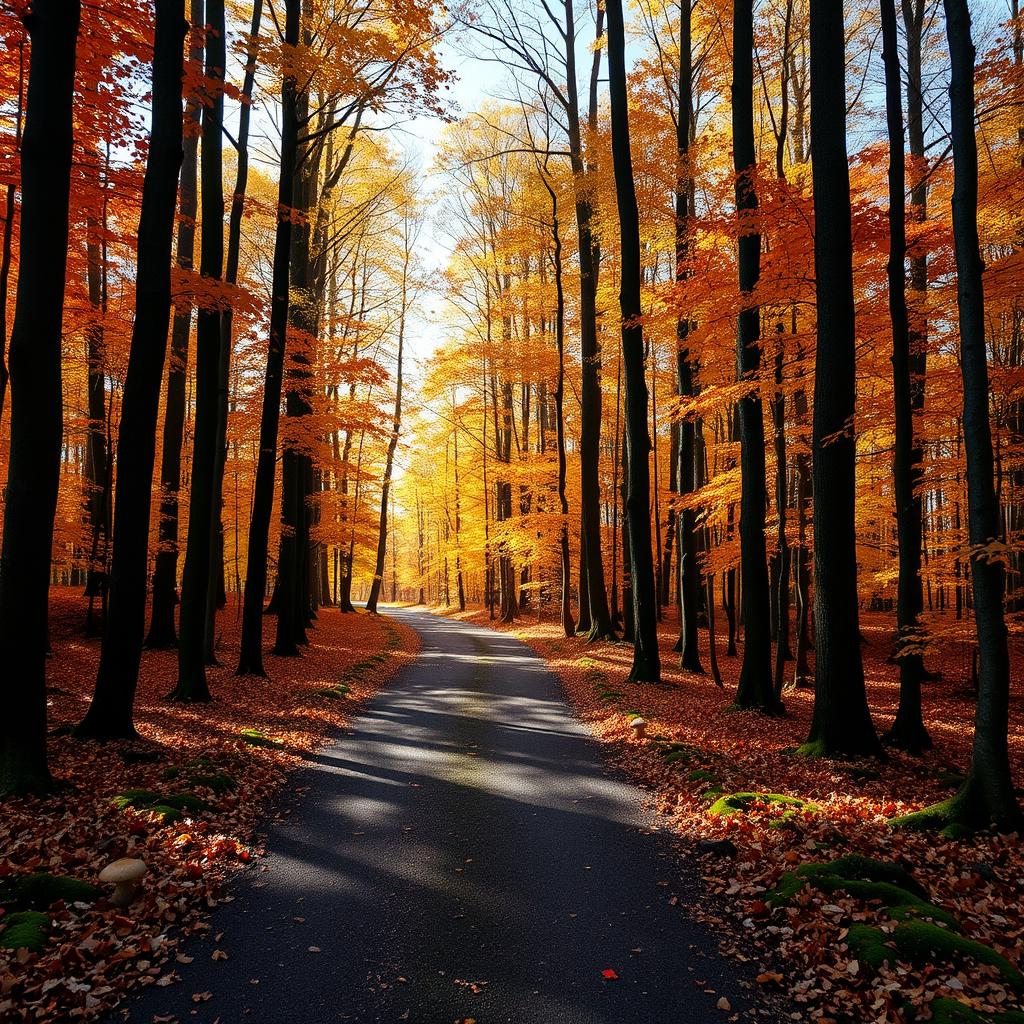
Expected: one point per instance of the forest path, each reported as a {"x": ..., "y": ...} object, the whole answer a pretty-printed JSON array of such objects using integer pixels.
[{"x": 462, "y": 852}]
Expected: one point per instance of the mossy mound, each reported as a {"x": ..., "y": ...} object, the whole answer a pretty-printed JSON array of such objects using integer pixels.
[
  {"x": 950, "y": 1011},
  {"x": 921, "y": 944},
  {"x": 865, "y": 879},
  {"x": 40, "y": 890},
  {"x": 337, "y": 692},
  {"x": 24, "y": 930},
  {"x": 741, "y": 803},
  {"x": 255, "y": 738},
  {"x": 202, "y": 772},
  {"x": 712, "y": 793},
  {"x": 701, "y": 775},
  {"x": 167, "y": 806}
]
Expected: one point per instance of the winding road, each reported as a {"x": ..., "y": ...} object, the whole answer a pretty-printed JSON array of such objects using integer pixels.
[{"x": 461, "y": 853}]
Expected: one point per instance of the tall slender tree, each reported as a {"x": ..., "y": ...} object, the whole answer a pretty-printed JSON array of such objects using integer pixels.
[
  {"x": 162, "y": 629},
  {"x": 110, "y": 714},
  {"x": 34, "y": 364},
  {"x": 908, "y": 730},
  {"x": 192, "y": 683},
  {"x": 842, "y": 723},
  {"x": 250, "y": 660},
  {"x": 756, "y": 685},
  {"x": 646, "y": 658}
]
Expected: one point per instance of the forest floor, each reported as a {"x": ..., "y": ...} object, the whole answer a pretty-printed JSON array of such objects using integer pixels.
[
  {"x": 818, "y": 942},
  {"x": 186, "y": 798}
]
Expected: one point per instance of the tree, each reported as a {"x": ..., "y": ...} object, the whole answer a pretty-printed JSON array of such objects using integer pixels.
[
  {"x": 908, "y": 730},
  {"x": 756, "y": 686},
  {"x": 842, "y": 723},
  {"x": 34, "y": 365},
  {"x": 987, "y": 797},
  {"x": 646, "y": 659},
  {"x": 192, "y": 685},
  {"x": 250, "y": 660},
  {"x": 162, "y": 629},
  {"x": 110, "y": 714}
]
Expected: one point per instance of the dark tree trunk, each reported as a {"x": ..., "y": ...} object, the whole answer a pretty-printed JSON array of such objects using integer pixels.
[
  {"x": 36, "y": 398},
  {"x": 215, "y": 596},
  {"x": 192, "y": 684},
  {"x": 908, "y": 730},
  {"x": 110, "y": 714},
  {"x": 987, "y": 797},
  {"x": 842, "y": 723},
  {"x": 250, "y": 660},
  {"x": 162, "y": 629},
  {"x": 756, "y": 689},
  {"x": 689, "y": 570},
  {"x": 646, "y": 659}
]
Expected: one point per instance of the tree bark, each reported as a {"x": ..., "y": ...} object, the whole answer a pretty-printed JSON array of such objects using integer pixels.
[
  {"x": 987, "y": 797},
  {"x": 646, "y": 658},
  {"x": 908, "y": 730},
  {"x": 842, "y": 724},
  {"x": 110, "y": 714},
  {"x": 192, "y": 683},
  {"x": 756, "y": 689},
  {"x": 250, "y": 660},
  {"x": 37, "y": 422},
  {"x": 162, "y": 629}
]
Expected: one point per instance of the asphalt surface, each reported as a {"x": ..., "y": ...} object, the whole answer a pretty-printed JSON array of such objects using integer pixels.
[{"x": 461, "y": 853}]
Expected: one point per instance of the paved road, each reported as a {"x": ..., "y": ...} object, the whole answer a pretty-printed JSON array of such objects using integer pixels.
[{"x": 462, "y": 852}]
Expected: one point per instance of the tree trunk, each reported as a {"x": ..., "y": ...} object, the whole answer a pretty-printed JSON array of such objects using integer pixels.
[
  {"x": 250, "y": 660},
  {"x": 689, "y": 570},
  {"x": 199, "y": 550},
  {"x": 37, "y": 423},
  {"x": 162, "y": 629},
  {"x": 110, "y": 714},
  {"x": 646, "y": 659},
  {"x": 908, "y": 730},
  {"x": 756, "y": 689},
  {"x": 987, "y": 797},
  {"x": 842, "y": 723}
]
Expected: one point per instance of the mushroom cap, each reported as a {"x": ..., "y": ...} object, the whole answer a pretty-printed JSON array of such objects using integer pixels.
[
  {"x": 637, "y": 723},
  {"x": 126, "y": 869}
]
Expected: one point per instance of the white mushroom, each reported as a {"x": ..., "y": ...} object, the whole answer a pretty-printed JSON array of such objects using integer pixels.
[
  {"x": 639, "y": 727},
  {"x": 125, "y": 874}
]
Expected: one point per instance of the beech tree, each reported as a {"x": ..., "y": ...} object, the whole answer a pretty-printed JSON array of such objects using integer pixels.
[{"x": 34, "y": 366}]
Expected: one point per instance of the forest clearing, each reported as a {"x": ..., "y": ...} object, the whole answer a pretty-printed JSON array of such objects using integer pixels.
[{"x": 512, "y": 511}]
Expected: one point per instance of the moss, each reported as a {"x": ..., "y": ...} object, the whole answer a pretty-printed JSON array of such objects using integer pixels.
[
  {"x": 950, "y": 1011},
  {"x": 135, "y": 798},
  {"x": 740, "y": 803},
  {"x": 701, "y": 775},
  {"x": 39, "y": 890},
  {"x": 167, "y": 815},
  {"x": 255, "y": 738},
  {"x": 920, "y": 943},
  {"x": 865, "y": 879},
  {"x": 816, "y": 748},
  {"x": 24, "y": 930},
  {"x": 184, "y": 802},
  {"x": 952, "y": 778},
  {"x": 712, "y": 792},
  {"x": 337, "y": 692},
  {"x": 219, "y": 782}
]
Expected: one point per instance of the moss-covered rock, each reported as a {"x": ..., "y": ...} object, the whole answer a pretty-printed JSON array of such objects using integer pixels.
[
  {"x": 337, "y": 692},
  {"x": 25, "y": 929},
  {"x": 39, "y": 890},
  {"x": 167, "y": 815},
  {"x": 920, "y": 943},
  {"x": 741, "y": 803},
  {"x": 950, "y": 1011},
  {"x": 701, "y": 775},
  {"x": 184, "y": 802},
  {"x": 167, "y": 806},
  {"x": 138, "y": 798}
]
